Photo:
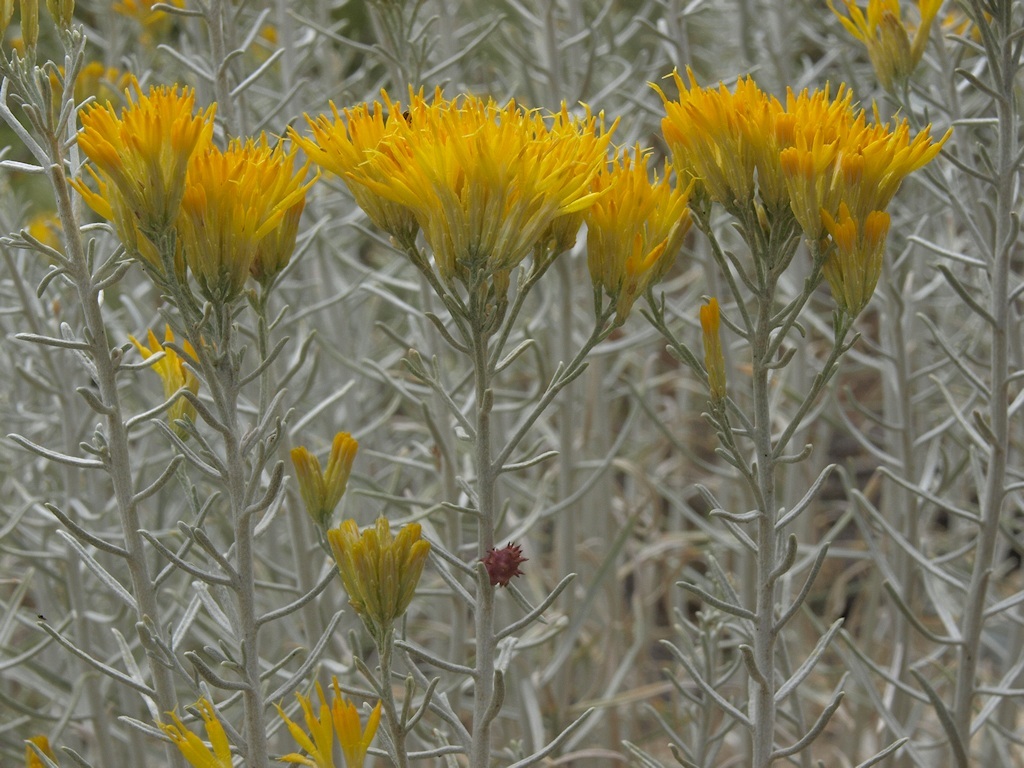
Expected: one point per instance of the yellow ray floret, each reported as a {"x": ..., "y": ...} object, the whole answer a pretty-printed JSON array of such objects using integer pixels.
[
  {"x": 142, "y": 154},
  {"x": 341, "y": 719}
]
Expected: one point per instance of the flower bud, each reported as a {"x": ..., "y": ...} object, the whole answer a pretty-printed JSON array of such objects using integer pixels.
[
  {"x": 714, "y": 359},
  {"x": 61, "y": 11},
  {"x": 30, "y": 22}
]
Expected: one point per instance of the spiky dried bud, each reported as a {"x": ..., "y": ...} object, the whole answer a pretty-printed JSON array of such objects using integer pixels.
[{"x": 503, "y": 564}]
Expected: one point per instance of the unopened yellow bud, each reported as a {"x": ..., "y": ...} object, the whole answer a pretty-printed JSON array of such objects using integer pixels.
[
  {"x": 380, "y": 572},
  {"x": 30, "y": 22},
  {"x": 6, "y": 14},
  {"x": 714, "y": 358},
  {"x": 321, "y": 491},
  {"x": 62, "y": 12},
  {"x": 855, "y": 263}
]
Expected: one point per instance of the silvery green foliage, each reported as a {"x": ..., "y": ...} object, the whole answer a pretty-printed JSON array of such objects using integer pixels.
[{"x": 106, "y": 620}]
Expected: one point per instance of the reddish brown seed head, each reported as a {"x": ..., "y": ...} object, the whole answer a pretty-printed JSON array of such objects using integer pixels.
[{"x": 502, "y": 564}]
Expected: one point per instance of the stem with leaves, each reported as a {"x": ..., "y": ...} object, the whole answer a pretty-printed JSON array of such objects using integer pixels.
[{"x": 53, "y": 129}]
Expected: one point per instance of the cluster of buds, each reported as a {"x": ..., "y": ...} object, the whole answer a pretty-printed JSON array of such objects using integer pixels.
[
  {"x": 380, "y": 571},
  {"x": 321, "y": 491}
]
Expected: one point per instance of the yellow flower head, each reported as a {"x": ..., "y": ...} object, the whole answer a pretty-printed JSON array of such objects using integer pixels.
[
  {"x": 233, "y": 200},
  {"x": 341, "y": 718},
  {"x": 31, "y": 758},
  {"x": 635, "y": 229},
  {"x": 835, "y": 157},
  {"x": 173, "y": 374},
  {"x": 726, "y": 141},
  {"x": 886, "y": 35},
  {"x": 321, "y": 491},
  {"x": 380, "y": 572},
  {"x": 340, "y": 144},
  {"x": 812, "y": 132},
  {"x": 141, "y": 157},
  {"x": 319, "y": 742},
  {"x": 192, "y": 748},
  {"x": 855, "y": 263},
  {"x": 483, "y": 181},
  {"x": 714, "y": 358}
]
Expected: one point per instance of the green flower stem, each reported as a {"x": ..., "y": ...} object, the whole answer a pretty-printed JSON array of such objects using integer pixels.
[
  {"x": 765, "y": 327},
  {"x": 908, "y": 504},
  {"x": 763, "y": 699},
  {"x": 487, "y": 477},
  {"x": 450, "y": 493},
  {"x": 298, "y": 530},
  {"x": 226, "y": 396},
  {"x": 396, "y": 727},
  {"x": 219, "y": 364},
  {"x": 566, "y": 526}
]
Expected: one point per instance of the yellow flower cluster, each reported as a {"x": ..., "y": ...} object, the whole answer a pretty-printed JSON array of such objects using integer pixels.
[
  {"x": 194, "y": 749},
  {"x": 141, "y": 157},
  {"x": 885, "y": 34},
  {"x": 380, "y": 571},
  {"x": 340, "y": 717},
  {"x": 807, "y": 159},
  {"x": 233, "y": 201},
  {"x": 159, "y": 178},
  {"x": 485, "y": 183},
  {"x": 635, "y": 228},
  {"x": 173, "y": 374}
]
